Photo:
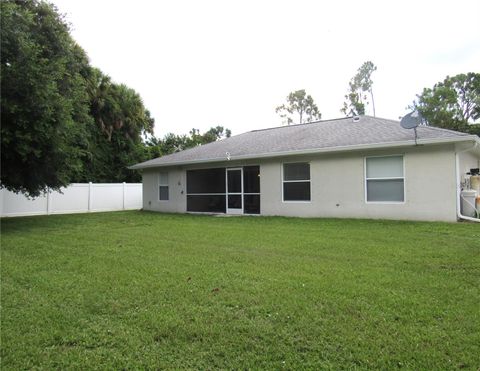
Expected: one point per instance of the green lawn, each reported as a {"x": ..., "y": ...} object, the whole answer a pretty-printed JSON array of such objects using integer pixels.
[{"x": 136, "y": 290}]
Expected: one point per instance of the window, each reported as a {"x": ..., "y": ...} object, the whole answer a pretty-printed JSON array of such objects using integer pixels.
[
  {"x": 296, "y": 181},
  {"x": 251, "y": 189},
  {"x": 217, "y": 190},
  {"x": 206, "y": 190},
  {"x": 163, "y": 186},
  {"x": 384, "y": 179}
]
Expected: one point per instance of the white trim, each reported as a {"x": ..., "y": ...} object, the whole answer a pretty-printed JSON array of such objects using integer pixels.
[
  {"x": 386, "y": 178},
  {"x": 385, "y": 145},
  {"x": 296, "y": 181},
  {"x": 234, "y": 211}
]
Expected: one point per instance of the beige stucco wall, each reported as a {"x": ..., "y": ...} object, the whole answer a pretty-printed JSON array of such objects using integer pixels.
[
  {"x": 338, "y": 186},
  {"x": 177, "y": 202}
]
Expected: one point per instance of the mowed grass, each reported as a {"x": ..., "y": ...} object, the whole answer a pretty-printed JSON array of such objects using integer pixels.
[{"x": 139, "y": 290}]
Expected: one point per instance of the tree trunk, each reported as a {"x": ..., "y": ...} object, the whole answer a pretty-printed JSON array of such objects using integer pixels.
[{"x": 373, "y": 102}]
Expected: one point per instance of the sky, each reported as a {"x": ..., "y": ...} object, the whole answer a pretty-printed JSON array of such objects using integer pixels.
[{"x": 198, "y": 64}]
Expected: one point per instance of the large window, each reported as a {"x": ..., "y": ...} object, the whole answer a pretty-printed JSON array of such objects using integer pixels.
[
  {"x": 206, "y": 190},
  {"x": 206, "y": 181},
  {"x": 384, "y": 178},
  {"x": 163, "y": 186},
  {"x": 296, "y": 181}
]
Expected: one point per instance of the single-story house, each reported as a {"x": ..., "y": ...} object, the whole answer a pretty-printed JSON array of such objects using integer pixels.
[{"x": 355, "y": 167}]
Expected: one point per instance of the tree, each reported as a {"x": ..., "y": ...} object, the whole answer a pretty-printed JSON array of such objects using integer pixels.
[
  {"x": 115, "y": 138},
  {"x": 62, "y": 120},
  {"x": 44, "y": 102},
  {"x": 359, "y": 85},
  {"x": 300, "y": 105},
  {"x": 172, "y": 143},
  {"x": 453, "y": 103}
]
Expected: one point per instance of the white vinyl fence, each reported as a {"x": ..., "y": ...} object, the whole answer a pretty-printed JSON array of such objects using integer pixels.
[{"x": 76, "y": 198}]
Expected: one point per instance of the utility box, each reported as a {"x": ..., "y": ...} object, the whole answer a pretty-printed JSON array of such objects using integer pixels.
[{"x": 468, "y": 199}]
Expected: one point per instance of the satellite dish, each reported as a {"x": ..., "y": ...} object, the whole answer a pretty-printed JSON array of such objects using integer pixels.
[{"x": 411, "y": 120}]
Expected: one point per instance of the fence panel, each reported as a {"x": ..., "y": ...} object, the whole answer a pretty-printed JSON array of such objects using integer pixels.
[
  {"x": 18, "y": 205},
  {"x": 133, "y": 196},
  {"x": 76, "y": 198},
  {"x": 107, "y": 197},
  {"x": 73, "y": 199}
]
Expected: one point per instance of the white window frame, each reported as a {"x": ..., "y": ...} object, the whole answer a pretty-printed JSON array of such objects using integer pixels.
[
  {"x": 163, "y": 185},
  {"x": 228, "y": 193},
  {"x": 385, "y": 178},
  {"x": 296, "y": 181}
]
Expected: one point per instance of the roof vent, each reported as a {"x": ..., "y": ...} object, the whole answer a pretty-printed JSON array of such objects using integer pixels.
[{"x": 356, "y": 118}]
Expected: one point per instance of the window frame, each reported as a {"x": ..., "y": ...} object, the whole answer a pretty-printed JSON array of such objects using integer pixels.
[
  {"x": 163, "y": 185},
  {"x": 366, "y": 179},
  {"x": 296, "y": 181}
]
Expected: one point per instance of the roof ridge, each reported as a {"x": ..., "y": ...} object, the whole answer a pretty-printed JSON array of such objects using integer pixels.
[{"x": 303, "y": 124}]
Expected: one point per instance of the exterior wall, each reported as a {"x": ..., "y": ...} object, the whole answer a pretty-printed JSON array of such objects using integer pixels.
[
  {"x": 337, "y": 186},
  {"x": 177, "y": 202}
]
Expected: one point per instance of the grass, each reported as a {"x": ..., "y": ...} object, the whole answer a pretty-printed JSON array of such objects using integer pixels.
[{"x": 139, "y": 290}]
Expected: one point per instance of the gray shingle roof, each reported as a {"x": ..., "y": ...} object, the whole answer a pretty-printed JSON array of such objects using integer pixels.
[{"x": 320, "y": 136}]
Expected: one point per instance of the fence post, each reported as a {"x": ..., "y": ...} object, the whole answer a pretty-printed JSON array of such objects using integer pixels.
[
  {"x": 89, "y": 196},
  {"x": 49, "y": 202},
  {"x": 124, "y": 195}
]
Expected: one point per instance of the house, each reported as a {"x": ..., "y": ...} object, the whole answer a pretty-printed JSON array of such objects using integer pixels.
[{"x": 361, "y": 167}]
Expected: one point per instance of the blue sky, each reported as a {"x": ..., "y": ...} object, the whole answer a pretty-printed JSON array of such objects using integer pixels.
[{"x": 206, "y": 63}]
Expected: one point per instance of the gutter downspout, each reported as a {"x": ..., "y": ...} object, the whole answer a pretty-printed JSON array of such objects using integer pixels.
[{"x": 458, "y": 186}]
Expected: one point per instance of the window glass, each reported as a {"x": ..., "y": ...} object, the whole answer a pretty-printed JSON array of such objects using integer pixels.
[
  {"x": 251, "y": 179},
  {"x": 206, "y": 181},
  {"x": 297, "y": 171},
  {"x": 234, "y": 201},
  {"x": 163, "y": 178},
  {"x": 206, "y": 203},
  {"x": 385, "y": 167},
  {"x": 234, "y": 178},
  {"x": 163, "y": 186},
  {"x": 385, "y": 190},
  {"x": 296, "y": 191},
  {"x": 251, "y": 204},
  {"x": 163, "y": 193}
]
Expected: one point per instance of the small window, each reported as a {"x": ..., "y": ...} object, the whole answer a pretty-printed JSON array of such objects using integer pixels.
[
  {"x": 296, "y": 182},
  {"x": 163, "y": 187},
  {"x": 384, "y": 179}
]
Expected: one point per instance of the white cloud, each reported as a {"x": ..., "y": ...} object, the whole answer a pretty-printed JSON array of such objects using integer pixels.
[{"x": 204, "y": 63}]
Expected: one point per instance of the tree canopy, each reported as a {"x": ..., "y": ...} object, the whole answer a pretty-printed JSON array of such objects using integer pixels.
[
  {"x": 172, "y": 143},
  {"x": 453, "y": 103},
  {"x": 120, "y": 121},
  {"x": 300, "y": 108},
  {"x": 356, "y": 99},
  {"x": 62, "y": 120}
]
